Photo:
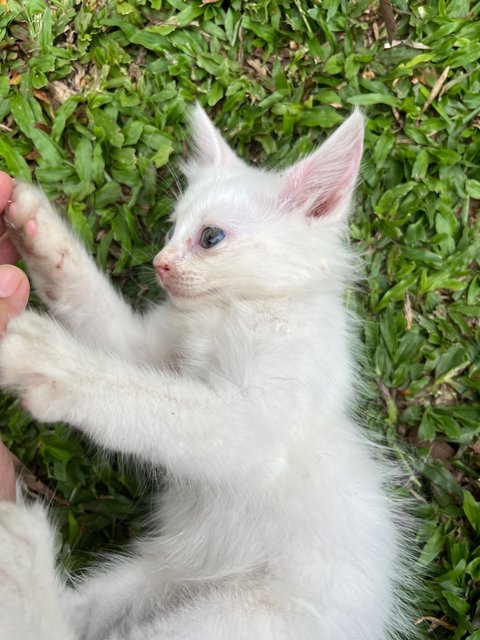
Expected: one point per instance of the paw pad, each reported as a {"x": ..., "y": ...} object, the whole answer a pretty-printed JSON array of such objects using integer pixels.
[{"x": 30, "y": 228}]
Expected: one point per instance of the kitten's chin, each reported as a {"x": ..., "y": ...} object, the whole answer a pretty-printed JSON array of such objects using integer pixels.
[{"x": 187, "y": 299}]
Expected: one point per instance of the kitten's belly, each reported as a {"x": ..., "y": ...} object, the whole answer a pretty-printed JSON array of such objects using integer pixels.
[
  {"x": 329, "y": 550},
  {"x": 337, "y": 523},
  {"x": 206, "y": 536}
]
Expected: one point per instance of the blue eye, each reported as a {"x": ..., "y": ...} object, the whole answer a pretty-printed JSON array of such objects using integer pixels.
[
  {"x": 170, "y": 232},
  {"x": 211, "y": 236}
]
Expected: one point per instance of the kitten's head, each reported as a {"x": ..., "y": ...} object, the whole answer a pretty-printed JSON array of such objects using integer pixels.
[{"x": 240, "y": 232}]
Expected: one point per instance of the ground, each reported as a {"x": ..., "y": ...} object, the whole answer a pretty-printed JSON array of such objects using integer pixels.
[{"x": 93, "y": 100}]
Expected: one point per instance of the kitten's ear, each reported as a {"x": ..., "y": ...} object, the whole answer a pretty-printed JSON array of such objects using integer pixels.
[
  {"x": 322, "y": 183},
  {"x": 210, "y": 149}
]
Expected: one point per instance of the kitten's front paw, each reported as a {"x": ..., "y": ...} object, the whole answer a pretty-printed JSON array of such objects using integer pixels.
[
  {"x": 35, "y": 227},
  {"x": 35, "y": 362}
]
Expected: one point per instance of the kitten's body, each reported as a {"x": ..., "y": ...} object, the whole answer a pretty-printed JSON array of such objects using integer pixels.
[{"x": 275, "y": 525}]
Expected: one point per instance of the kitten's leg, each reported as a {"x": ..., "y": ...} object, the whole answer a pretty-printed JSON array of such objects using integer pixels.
[
  {"x": 162, "y": 417},
  {"x": 66, "y": 277},
  {"x": 103, "y": 600},
  {"x": 30, "y": 591},
  {"x": 232, "y": 614}
]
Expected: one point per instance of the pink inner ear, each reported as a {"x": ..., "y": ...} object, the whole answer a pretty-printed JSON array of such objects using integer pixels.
[
  {"x": 322, "y": 207},
  {"x": 335, "y": 192},
  {"x": 322, "y": 181}
]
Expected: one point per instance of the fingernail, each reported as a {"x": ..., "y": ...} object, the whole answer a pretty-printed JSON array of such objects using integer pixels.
[{"x": 9, "y": 282}]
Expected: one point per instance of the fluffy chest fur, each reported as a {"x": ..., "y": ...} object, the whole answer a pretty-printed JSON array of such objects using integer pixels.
[{"x": 230, "y": 343}]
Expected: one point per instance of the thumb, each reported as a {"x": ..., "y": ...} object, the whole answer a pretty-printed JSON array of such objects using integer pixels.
[
  {"x": 14, "y": 291},
  {"x": 7, "y": 475}
]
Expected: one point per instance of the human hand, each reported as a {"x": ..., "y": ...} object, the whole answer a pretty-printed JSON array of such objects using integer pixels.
[
  {"x": 14, "y": 292},
  {"x": 14, "y": 286}
]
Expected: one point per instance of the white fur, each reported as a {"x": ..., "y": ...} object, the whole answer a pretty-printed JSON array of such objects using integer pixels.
[{"x": 276, "y": 524}]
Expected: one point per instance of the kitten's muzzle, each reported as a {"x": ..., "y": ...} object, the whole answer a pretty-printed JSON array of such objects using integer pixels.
[{"x": 165, "y": 269}]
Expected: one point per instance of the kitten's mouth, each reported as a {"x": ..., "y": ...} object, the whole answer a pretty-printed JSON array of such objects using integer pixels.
[
  {"x": 177, "y": 292},
  {"x": 182, "y": 294}
]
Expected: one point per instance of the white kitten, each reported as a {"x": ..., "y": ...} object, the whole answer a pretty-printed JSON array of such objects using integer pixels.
[{"x": 276, "y": 524}]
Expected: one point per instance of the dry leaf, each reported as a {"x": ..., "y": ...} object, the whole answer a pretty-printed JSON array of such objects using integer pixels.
[
  {"x": 41, "y": 95},
  {"x": 441, "y": 450},
  {"x": 436, "y": 88},
  {"x": 435, "y": 622},
  {"x": 388, "y": 16},
  {"x": 255, "y": 64},
  {"x": 33, "y": 483},
  {"x": 438, "y": 449},
  {"x": 60, "y": 92},
  {"x": 475, "y": 446},
  {"x": 407, "y": 43},
  {"x": 407, "y": 312}
]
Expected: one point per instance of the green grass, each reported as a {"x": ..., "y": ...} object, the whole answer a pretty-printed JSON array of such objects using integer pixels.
[{"x": 92, "y": 106}]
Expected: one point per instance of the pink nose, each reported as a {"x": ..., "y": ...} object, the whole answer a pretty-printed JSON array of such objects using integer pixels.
[{"x": 163, "y": 268}]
